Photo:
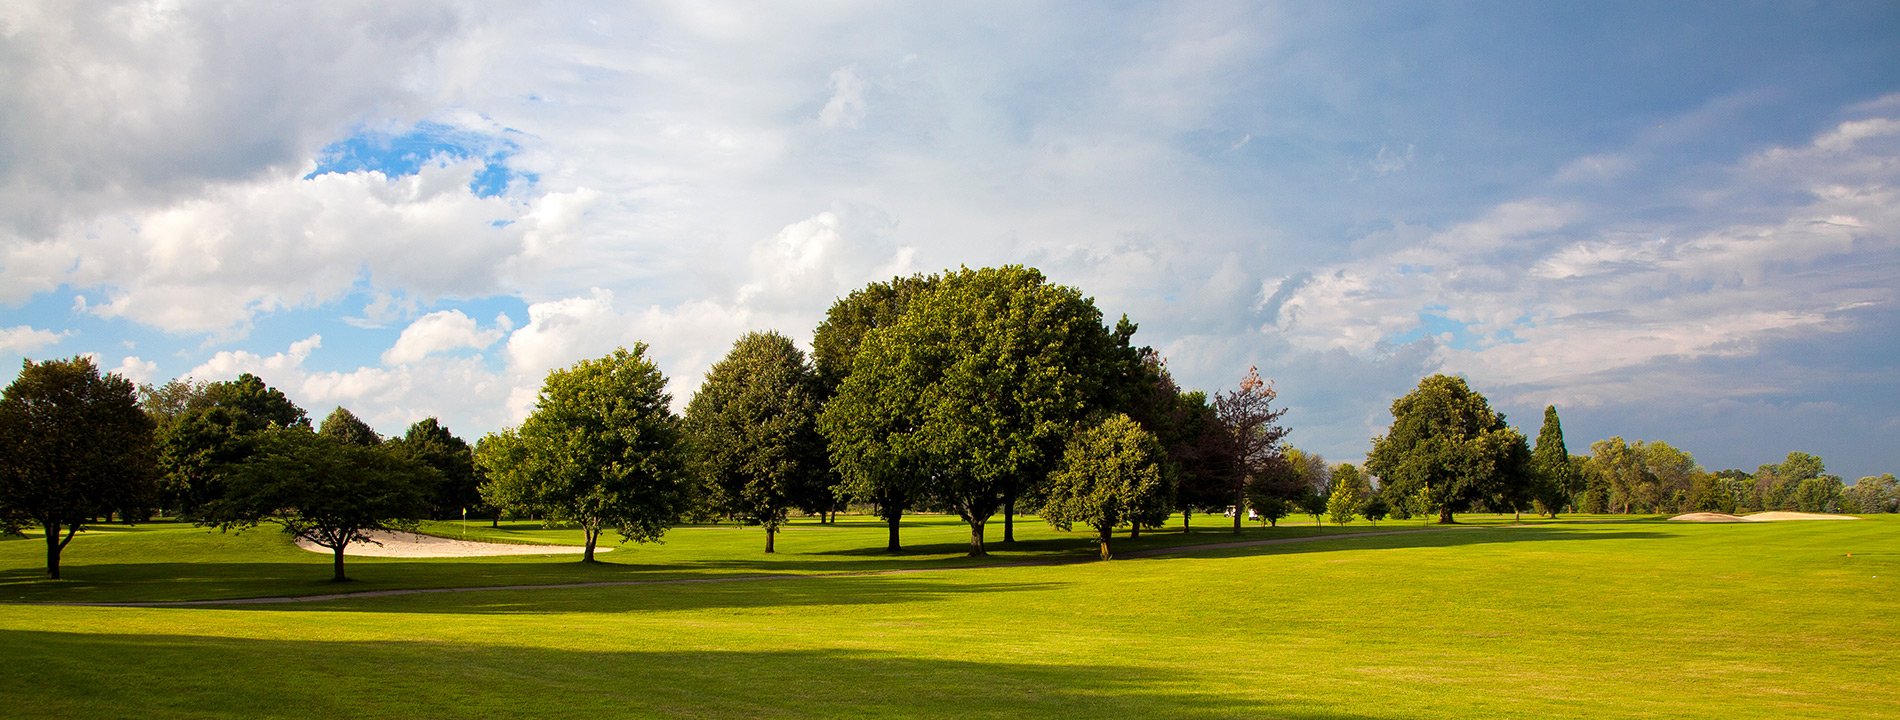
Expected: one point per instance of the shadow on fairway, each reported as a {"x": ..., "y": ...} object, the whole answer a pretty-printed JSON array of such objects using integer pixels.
[
  {"x": 1398, "y": 538},
  {"x": 790, "y": 591},
  {"x": 166, "y": 675}
]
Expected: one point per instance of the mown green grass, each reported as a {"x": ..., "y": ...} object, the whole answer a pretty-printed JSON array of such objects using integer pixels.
[
  {"x": 1598, "y": 619},
  {"x": 171, "y": 561}
]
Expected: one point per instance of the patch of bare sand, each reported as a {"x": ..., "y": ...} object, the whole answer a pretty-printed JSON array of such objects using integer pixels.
[
  {"x": 412, "y": 545},
  {"x": 1775, "y": 515},
  {"x": 1708, "y": 517}
]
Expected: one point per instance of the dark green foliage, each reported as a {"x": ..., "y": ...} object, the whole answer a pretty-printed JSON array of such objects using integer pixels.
[
  {"x": 1711, "y": 493},
  {"x": 266, "y": 404},
  {"x": 752, "y": 430},
  {"x": 868, "y": 470},
  {"x": 835, "y": 343},
  {"x": 975, "y": 388},
  {"x": 1376, "y": 509},
  {"x": 165, "y": 403},
  {"x": 74, "y": 445},
  {"x": 1819, "y": 494},
  {"x": 1875, "y": 494},
  {"x": 204, "y": 426},
  {"x": 601, "y": 450},
  {"x": 1554, "y": 478},
  {"x": 193, "y": 448},
  {"x": 1446, "y": 437},
  {"x": 1312, "y": 502},
  {"x": 1111, "y": 474},
  {"x": 459, "y": 486},
  {"x": 343, "y": 426},
  {"x": 1188, "y": 431},
  {"x": 320, "y": 489}
]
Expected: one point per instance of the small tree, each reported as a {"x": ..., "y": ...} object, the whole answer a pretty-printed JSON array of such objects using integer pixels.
[
  {"x": 1344, "y": 502},
  {"x": 602, "y": 450},
  {"x": 320, "y": 489},
  {"x": 1376, "y": 509},
  {"x": 1111, "y": 474},
  {"x": 74, "y": 445},
  {"x": 1314, "y": 504}
]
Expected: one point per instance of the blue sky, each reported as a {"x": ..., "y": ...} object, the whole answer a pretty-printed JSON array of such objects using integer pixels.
[{"x": 1676, "y": 222}]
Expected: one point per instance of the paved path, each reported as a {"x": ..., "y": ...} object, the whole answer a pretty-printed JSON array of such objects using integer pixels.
[{"x": 735, "y": 578}]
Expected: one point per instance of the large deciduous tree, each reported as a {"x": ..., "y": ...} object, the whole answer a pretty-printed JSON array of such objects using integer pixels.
[
  {"x": 835, "y": 343},
  {"x": 975, "y": 387},
  {"x": 752, "y": 429},
  {"x": 321, "y": 489},
  {"x": 1445, "y": 439},
  {"x": 204, "y": 426},
  {"x": 74, "y": 445},
  {"x": 1111, "y": 474},
  {"x": 1250, "y": 442},
  {"x": 870, "y": 470},
  {"x": 601, "y": 450}
]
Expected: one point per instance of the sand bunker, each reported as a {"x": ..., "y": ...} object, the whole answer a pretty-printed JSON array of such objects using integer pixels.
[
  {"x": 411, "y": 545},
  {"x": 1773, "y": 516},
  {"x": 1708, "y": 517},
  {"x": 1778, "y": 515}
]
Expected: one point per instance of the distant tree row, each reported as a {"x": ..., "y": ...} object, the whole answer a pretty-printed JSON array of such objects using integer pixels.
[
  {"x": 80, "y": 446},
  {"x": 975, "y": 392}
]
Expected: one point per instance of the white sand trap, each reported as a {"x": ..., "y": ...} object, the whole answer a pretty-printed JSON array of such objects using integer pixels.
[
  {"x": 1708, "y": 517},
  {"x": 411, "y": 545},
  {"x": 1758, "y": 517}
]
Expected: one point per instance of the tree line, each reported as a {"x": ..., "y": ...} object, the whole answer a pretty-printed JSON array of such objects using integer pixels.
[{"x": 971, "y": 392}]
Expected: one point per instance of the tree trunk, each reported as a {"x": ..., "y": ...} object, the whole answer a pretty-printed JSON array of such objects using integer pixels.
[
  {"x": 976, "y": 538},
  {"x": 1103, "y": 539},
  {"x": 1444, "y": 516},
  {"x": 1187, "y": 521},
  {"x": 1240, "y": 508},
  {"x": 769, "y": 534},
  {"x": 52, "y": 551},
  {"x": 593, "y": 535},
  {"x": 894, "y": 546},
  {"x": 1009, "y": 518},
  {"x": 339, "y": 561},
  {"x": 1134, "y": 531}
]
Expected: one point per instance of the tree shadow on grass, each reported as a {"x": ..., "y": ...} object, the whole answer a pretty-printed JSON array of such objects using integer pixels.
[
  {"x": 785, "y": 592},
  {"x": 157, "y": 676},
  {"x": 162, "y": 581}
]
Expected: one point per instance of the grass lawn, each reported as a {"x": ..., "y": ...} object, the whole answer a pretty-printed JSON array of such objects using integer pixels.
[{"x": 1606, "y": 618}]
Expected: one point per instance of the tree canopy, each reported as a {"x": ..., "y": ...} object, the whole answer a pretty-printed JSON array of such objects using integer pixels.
[
  {"x": 601, "y": 450},
  {"x": 1113, "y": 473},
  {"x": 458, "y": 486},
  {"x": 976, "y": 387},
  {"x": 752, "y": 429},
  {"x": 343, "y": 426},
  {"x": 321, "y": 489},
  {"x": 74, "y": 445},
  {"x": 1447, "y": 442}
]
